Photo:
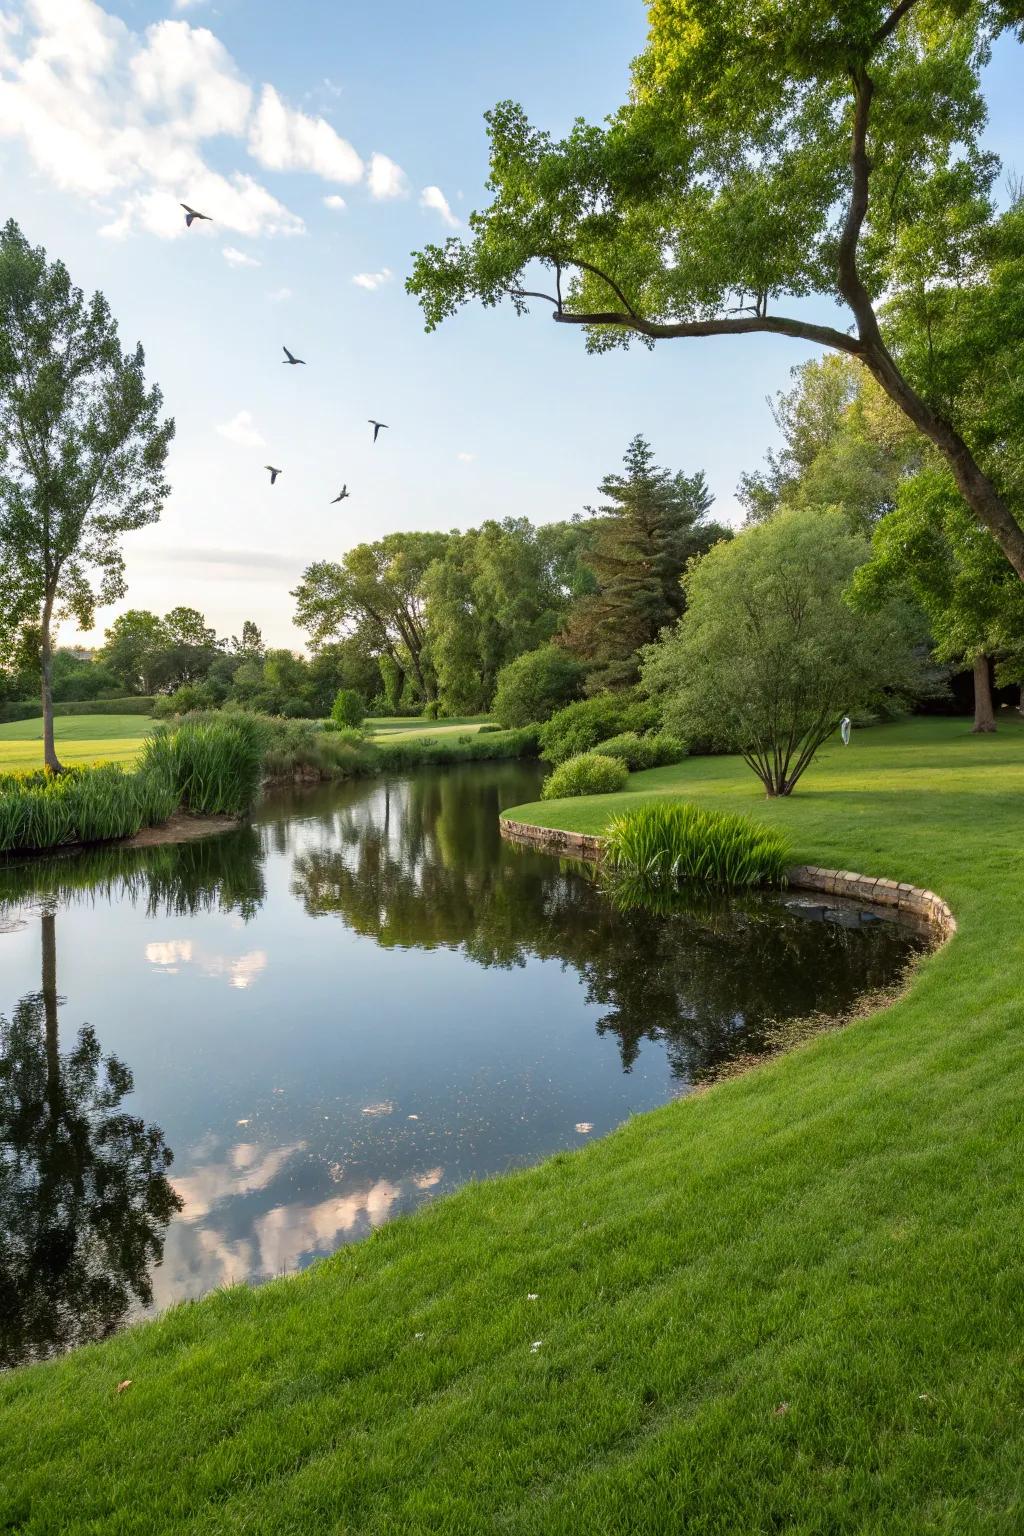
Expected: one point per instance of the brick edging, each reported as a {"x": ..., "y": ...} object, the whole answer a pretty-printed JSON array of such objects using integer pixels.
[{"x": 802, "y": 877}]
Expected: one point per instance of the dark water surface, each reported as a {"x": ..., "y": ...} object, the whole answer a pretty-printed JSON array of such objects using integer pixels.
[{"x": 335, "y": 1014}]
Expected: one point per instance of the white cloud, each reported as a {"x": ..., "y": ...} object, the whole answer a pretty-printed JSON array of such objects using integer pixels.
[
  {"x": 122, "y": 119},
  {"x": 373, "y": 280},
  {"x": 386, "y": 179},
  {"x": 284, "y": 139},
  {"x": 241, "y": 429},
  {"x": 466, "y": 458},
  {"x": 279, "y": 295},
  {"x": 333, "y": 201},
  {"x": 433, "y": 197},
  {"x": 187, "y": 5},
  {"x": 236, "y": 258}
]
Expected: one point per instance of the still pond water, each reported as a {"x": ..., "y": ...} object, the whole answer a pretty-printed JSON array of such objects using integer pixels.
[{"x": 337, "y": 1013}]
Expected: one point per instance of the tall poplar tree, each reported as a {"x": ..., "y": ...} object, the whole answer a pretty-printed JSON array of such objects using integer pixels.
[{"x": 82, "y": 453}]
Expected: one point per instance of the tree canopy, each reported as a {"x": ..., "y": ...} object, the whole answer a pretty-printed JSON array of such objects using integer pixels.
[
  {"x": 768, "y": 154},
  {"x": 768, "y": 656},
  {"x": 652, "y": 523},
  {"x": 82, "y": 451}
]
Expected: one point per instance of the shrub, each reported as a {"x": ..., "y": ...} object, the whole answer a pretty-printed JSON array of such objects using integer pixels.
[
  {"x": 674, "y": 841},
  {"x": 349, "y": 734},
  {"x": 639, "y": 752},
  {"x": 586, "y": 774},
  {"x": 212, "y": 765},
  {"x": 347, "y": 708},
  {"x": 769, "y": 655},
  {"x": 580, "y": 726},
  {"x": 431, "y": 710},
  {"x": 534, "y": 685}
]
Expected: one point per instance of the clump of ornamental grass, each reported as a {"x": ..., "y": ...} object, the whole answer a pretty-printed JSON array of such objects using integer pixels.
[
  {"x": 83, "y": 805},
  {"x": 211, "y": 765},
  {"x": 673, "y": 841}
]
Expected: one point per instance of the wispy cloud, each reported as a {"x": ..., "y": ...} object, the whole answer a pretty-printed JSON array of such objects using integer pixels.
[
  {"x": 279, "y": 295},
  {"x": 215, "y": 561},
  {"x": 466, "y": 458},
  {"x": 334, "y": 202},
  {"x": 373, "y": 280},
  {"x": 433, "y": 197},
  {"x": 241, "y": 429},
  {"x": 386, "y": 179},
  {"x": 237, "y": 258},
  {"x": 284, "y": 139}
]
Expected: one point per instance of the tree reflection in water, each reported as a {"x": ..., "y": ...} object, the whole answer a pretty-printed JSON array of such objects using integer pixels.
[
  {"x": 707, "y": 976},
  {"x": 84, "y": 1194}
]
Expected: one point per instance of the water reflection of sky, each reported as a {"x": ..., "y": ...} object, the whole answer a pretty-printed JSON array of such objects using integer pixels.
[{"x": 394, "y": 1004}]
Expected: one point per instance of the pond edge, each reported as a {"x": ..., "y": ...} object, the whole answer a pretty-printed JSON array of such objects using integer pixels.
[{"x": 876, "y": 891}]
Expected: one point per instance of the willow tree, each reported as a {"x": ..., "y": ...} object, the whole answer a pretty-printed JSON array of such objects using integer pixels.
[
  {"x": 769, "y": 154},
  {"x": 82, "y": 452}
]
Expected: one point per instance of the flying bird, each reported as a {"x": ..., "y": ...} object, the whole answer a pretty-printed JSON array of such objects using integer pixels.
[
  {"x": 273, "y": 472},
  {"x": 341, "y": 495},
  {"x": 376, "y": 425},
  {"x": 289, "y": 357},
  {"x": 192, "y": 213}
]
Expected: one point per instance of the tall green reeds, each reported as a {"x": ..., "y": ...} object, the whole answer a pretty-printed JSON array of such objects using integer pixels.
[
  {"x": 84, "y": 805},
  {"x": 673, "y": 841},
  {"x": 213, "y": 766}
]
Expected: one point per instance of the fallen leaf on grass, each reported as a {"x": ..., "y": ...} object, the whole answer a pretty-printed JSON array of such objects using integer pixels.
[
  {"x": 123, "y": 1386},
  {"x": 536, "y": 1345},
  {"x": 531, "y": 1295},
  {"x": 780, "y": 1409}
]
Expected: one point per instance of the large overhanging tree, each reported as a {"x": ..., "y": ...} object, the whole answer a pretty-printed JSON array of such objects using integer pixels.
[
  {"x": 771, "y": 153},
  {"x": 82, "y": 451}
]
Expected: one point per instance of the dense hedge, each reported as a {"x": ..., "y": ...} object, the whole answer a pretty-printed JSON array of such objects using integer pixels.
[
  {"x": 586, "y": 774},
  {"x": 28, "y": 709}
]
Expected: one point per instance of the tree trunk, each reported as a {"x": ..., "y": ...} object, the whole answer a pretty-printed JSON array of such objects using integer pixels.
[
  {"x": 50, "y": 757},
  {"x": 49, "y": 946},
  {"x": 984, "y": 716}
]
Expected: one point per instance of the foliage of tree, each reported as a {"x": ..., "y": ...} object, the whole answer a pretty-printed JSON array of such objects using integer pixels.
[
  {"x": 82, "y": 452},
  {"x": 652, "y": 523},
  {"x": 931, "y": 547},
  {"x": 535, "y": 684},
  {"x": 844, "y": 445},
  {"x": 495, "y": 592},
  {"x": 768, "y": 655},
  {"x": 766, "y": 153},
  {"x": 376, "y": 590}
]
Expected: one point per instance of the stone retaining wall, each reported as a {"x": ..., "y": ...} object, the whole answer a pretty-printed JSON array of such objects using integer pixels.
[{"x": 802, "y": 877}]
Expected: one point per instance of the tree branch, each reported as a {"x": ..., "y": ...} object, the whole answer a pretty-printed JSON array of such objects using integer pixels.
[
  {"x": 890, "y": 23},
  {"x": 779, "y": 325}
]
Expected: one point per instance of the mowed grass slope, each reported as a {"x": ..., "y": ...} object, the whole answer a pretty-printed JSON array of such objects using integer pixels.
[
  {"x": 405, "y": 728},
  {"x": 79, "y": 739},
  {"x": 792, "y": 1303}
]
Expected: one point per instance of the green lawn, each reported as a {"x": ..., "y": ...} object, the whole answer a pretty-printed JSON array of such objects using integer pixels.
[
  {"x": 79, "y": 738},
  {"x": 789, "y": 1304},
  {"x": 402, "y": 728}
]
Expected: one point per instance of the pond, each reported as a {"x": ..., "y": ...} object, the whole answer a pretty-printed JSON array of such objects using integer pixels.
[{"x": 336, "y": 1013}]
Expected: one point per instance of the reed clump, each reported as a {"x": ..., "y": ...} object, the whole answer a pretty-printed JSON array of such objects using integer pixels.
[{"x": 675, "y": 841}]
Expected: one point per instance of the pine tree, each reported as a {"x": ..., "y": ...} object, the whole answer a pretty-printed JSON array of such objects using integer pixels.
[{"x": 653, "y": 522}]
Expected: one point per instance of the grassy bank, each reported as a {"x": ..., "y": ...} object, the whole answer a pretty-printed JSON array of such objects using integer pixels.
[
  {"x": 789, "y": 1304},
  {"x": 79, "y": 738}
]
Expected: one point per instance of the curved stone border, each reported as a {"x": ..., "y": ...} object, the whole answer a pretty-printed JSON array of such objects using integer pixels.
[{"x": 802, "y": 877}]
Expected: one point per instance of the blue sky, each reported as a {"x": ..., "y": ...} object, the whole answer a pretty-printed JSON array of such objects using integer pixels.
[{"x": 109, "y": 112}]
